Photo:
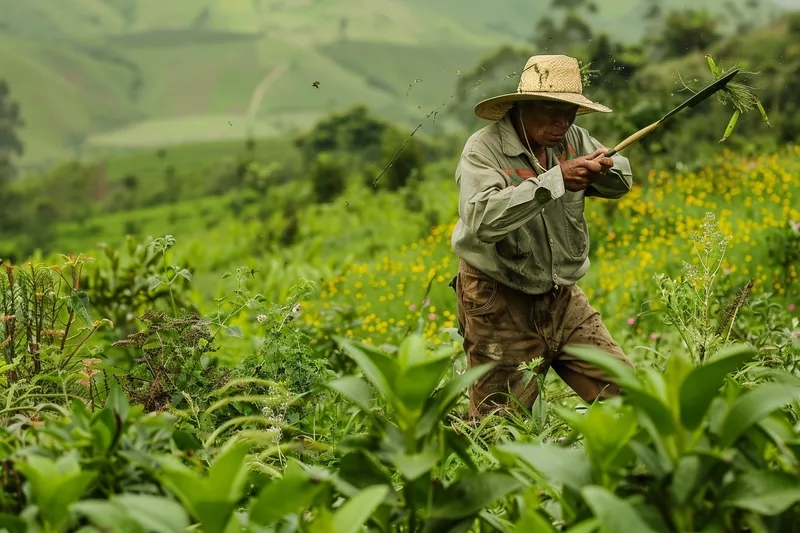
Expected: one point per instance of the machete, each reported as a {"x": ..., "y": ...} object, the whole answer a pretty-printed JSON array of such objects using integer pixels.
[{"x": 691, "y": 102}]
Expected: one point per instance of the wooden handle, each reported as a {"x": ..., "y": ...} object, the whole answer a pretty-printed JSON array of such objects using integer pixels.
[{"x": 633, "y": 138}]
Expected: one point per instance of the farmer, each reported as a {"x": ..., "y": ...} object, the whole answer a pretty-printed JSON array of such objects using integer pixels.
[{"x": 523, "y": 241}]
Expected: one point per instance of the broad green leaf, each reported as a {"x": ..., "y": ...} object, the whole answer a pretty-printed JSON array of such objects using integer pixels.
[
  {"x": 154, "y": 513},
  {"x": 11, "y": 523},
  {"x": 716, "y": 527},
  {"x": 624, "y": 375},
  {"x": 413, "y": 466},
  {"x": 414, "y": 386},
  {"x": 323, "y": 521},
  {"x": 291, "y": 494},
  {"x": 357, "y": 510},
  {"x": 379, "y": 369},
  {"x": 360, "y": 468},
  {"x": 54, "y": 485},
  {"x": 607, "y": 429},
  {"x": 679, "y": 365},
  {"x": 185, "y": 273},
  {"x": 153, "y": 282},
  {"x": 752, "y": 406},
  {"x": 215, "y": 515},
  {"x": 590, "y": 525},
  {"x": 635, "y": 392},
  {"x": 533, "y": 522},
  {"x": 412, "y": 351},
  {"x": 703, "y": 383},
  {"x": 781, "y": 376},
  {"x": 117, "y": 401},
  {"x": 446, "y": 397},
  {"x": 107, "y": 515},
  {"x": 185, "y": 440},
  {"x": 778, "y": 427},
  {"x": 654, "y": 383},
  {"x": 473, "y": 492},
  {"x": 354, "y": 389},
  {"x": 188, "y": 486},
  {"x": 766, "y": 492},
  {"x": 79, "y": 303},
  {"x": 685, "y": 478},
  {"x": 658, "y": 466},
  {"x": 614, "y": 514},
  {"x": 446, "y": 525},
  {"x": 654, "y": 407},
  {"x": 567, "y": 466},
  {"x": 228, "y": 473}
]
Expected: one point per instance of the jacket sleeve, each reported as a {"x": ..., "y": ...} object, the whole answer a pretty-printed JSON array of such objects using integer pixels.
[
  {"x": 618, "y": 181},
  {"x": 492, "y": 208}
]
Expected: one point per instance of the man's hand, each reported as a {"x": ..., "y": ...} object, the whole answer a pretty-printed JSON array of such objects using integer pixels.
[{"x": 582, "y": 171}]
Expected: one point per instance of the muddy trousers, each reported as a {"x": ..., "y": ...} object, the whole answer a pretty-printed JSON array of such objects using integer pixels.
[{"x": 509, "y": 328}]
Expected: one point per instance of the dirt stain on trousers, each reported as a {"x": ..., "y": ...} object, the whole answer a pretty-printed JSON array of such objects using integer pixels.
[{"x": 507, "y": 327}]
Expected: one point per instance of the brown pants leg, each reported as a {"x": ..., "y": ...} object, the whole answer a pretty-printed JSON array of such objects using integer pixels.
[{"x": 509, "y": 328}]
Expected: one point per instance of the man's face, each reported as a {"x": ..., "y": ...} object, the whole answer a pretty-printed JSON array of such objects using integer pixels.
[{"x": 546, "y": 122}]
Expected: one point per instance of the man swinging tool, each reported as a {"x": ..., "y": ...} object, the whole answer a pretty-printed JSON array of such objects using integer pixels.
[{"x": 522, "y": 238}]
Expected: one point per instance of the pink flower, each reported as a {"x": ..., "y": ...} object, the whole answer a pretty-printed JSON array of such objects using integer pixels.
[
  {"x": 791, "y": 307},
  {"x": 432, "y": 316},
  {"x": 425, "y": 302},
  {"x": 412, "y": 307},
  {"x": 631, "y": 321},
  {"x": 653, "y": 336}
]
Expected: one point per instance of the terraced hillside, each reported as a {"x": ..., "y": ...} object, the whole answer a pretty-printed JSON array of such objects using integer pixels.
[{"x": 93, "y": 74}]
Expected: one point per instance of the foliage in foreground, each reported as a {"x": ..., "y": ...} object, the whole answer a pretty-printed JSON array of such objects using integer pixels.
[
  {"x": 690, "y": 449},
  {"x": 157, "y": 431}
]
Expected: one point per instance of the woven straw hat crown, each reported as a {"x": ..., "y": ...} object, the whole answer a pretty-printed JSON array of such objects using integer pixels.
[{"x": 545, "y": 77}]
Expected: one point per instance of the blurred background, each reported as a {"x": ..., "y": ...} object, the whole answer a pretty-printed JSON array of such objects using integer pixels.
[{"x": 253, "y": 131}]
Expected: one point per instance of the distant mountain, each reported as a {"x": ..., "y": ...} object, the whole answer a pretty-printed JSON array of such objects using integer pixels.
[{"x": 93, "y": 74}]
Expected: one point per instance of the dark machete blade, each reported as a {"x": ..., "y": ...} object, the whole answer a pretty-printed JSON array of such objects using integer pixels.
[{"x": 705, "y": 93}]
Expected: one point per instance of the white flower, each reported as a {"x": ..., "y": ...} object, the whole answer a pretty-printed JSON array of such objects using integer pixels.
[
  {"x": 296, "y": 310},
  {"x": 262, "y": 318}
]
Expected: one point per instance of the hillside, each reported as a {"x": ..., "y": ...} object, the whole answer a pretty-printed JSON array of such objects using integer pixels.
[{"x": 93, "y": 74}]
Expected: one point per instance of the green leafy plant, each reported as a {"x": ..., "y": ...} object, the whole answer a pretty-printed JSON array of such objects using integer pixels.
[
  {"x": 125, "y": 281},
  {"x": 407, "y": 446},
  {"x": 46, "y": 327},
  {"x": 673, "y": 454}
]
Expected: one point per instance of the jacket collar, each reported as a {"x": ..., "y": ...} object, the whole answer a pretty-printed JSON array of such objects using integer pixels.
[{"x": 509, "y": 140}]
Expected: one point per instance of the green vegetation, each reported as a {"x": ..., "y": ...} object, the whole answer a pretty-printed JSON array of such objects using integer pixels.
[{"x": 257, "y": 333}]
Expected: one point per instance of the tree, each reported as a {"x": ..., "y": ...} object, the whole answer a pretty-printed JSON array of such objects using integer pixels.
[
  {"x": 407, "y": 162},
  {"x": 328, "y": 177},
  {"x": 688, "y": 31},
  {"x": 354, "y": 132}
]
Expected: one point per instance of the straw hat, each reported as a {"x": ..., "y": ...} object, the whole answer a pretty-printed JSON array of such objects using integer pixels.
[{"x": 546, "y": 77}]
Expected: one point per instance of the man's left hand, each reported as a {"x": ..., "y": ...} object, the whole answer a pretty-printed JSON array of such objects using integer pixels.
[{"x": 604, "y": 163}]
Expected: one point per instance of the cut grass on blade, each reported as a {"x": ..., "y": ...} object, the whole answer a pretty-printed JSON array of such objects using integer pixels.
[{"x": 740, "y": 96}]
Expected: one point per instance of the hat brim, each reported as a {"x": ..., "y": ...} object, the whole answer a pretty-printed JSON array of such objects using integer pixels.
[{"x": 496, "y": 107}]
